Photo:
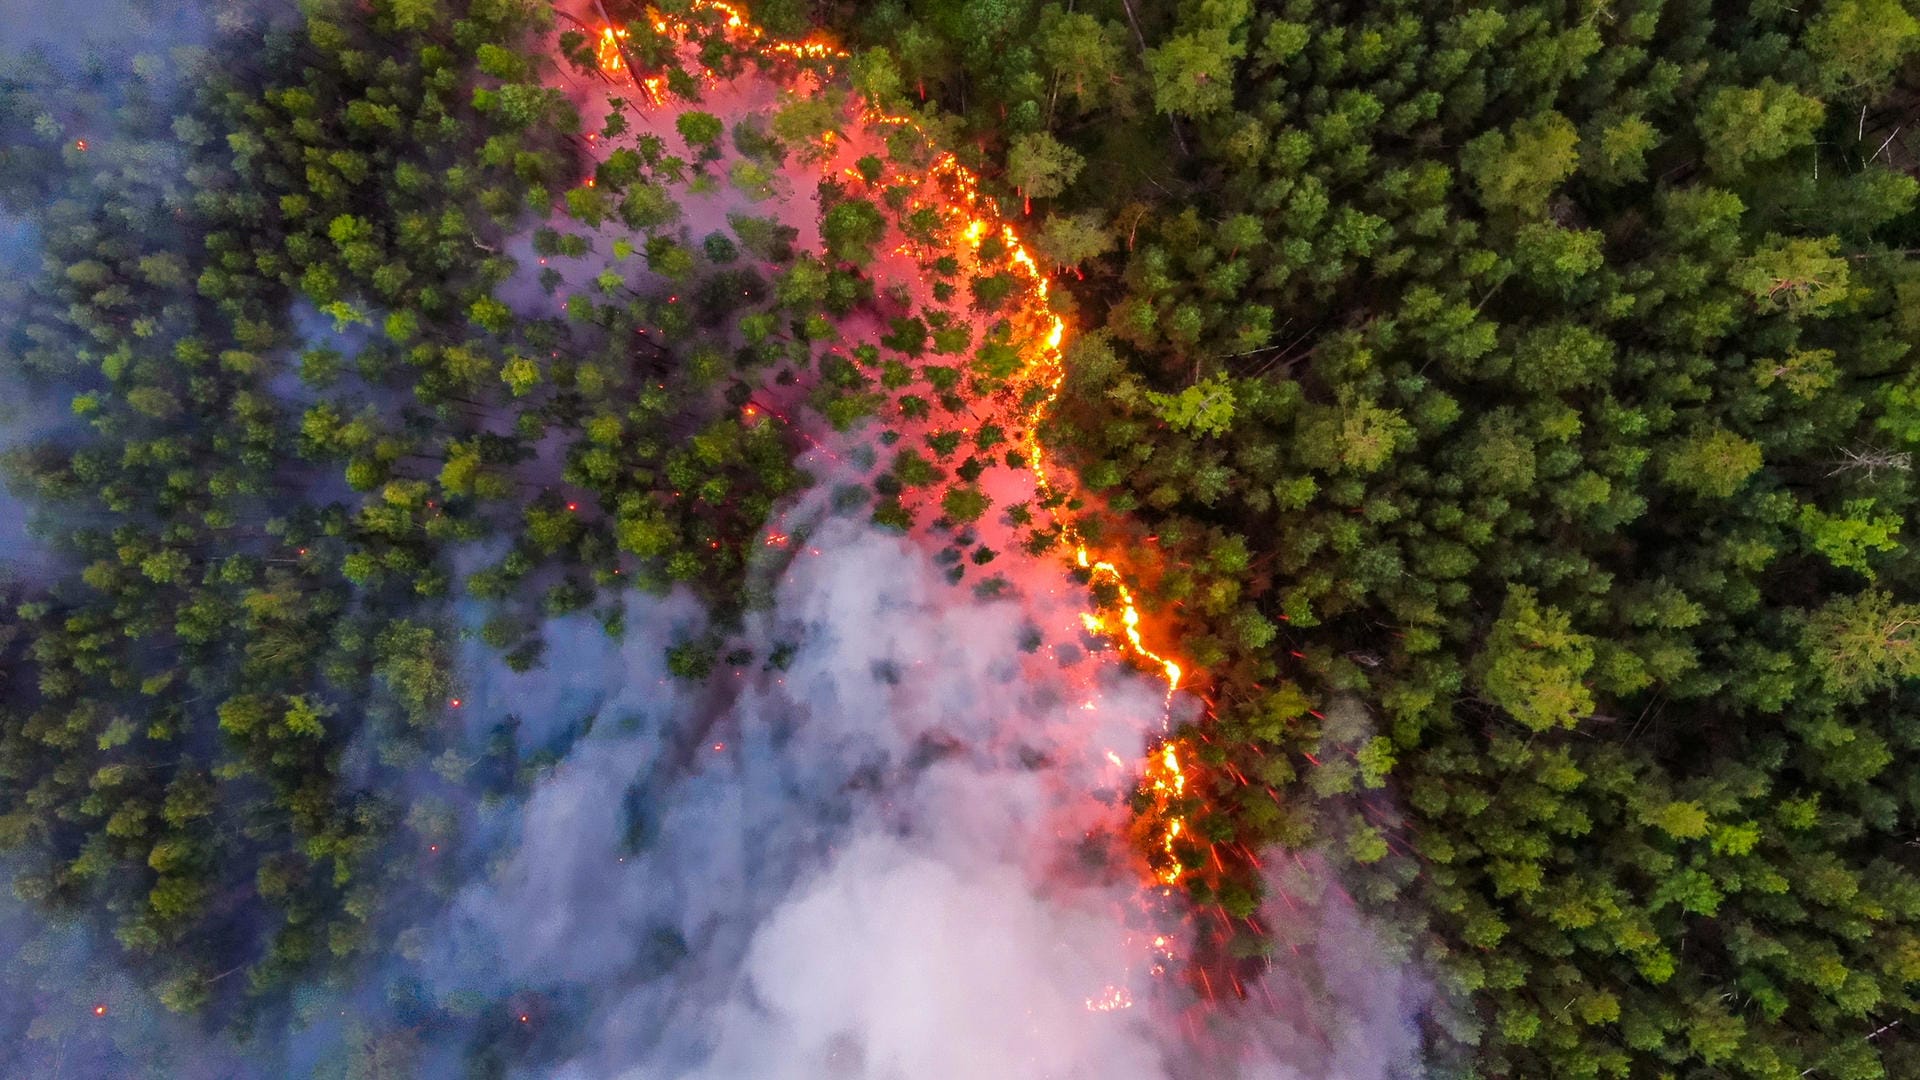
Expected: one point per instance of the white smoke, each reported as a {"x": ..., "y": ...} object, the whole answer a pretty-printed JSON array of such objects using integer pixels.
[
  {"x": 859, "y": 860},
  {"x": 873, "y": 863},
  {"x": 894, "y": 962}
]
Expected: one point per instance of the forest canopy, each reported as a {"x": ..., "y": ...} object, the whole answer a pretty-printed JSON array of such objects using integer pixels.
[
  {"x": 1538, "y": 378},
  {"x": 1509, "y": 410}
]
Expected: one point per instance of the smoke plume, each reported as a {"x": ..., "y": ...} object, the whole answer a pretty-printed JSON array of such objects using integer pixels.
[{"x": 884, "y": 856}]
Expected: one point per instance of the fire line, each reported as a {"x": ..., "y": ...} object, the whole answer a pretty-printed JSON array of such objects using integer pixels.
[{"x": 1164, "y": 777}]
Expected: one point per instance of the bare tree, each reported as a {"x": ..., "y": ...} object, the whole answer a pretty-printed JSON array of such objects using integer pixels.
[{"x": 1872, "y": 459}]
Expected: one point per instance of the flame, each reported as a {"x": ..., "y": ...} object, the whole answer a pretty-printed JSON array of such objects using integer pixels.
[
  {"x": 1129, "y": 617},
  {"x": 1166, "y": 782},
  {"x": 733, "y": 24},
  {"x": 1112, "y": 999},
  {"x": 974, "y": 217},
  {"x": 1164, "y": 777},
  {"x": 609, "y": 52}
]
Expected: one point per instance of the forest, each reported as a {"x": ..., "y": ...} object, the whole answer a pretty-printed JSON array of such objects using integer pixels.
[
  {"x": 1535, "y": 378},
  {"x": 1505, "y": 413}
]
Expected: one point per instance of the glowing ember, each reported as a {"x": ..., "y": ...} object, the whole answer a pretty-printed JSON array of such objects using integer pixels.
[
  {"x": 99, "y": 1010},
  {"x": 1112, "y": 999}
]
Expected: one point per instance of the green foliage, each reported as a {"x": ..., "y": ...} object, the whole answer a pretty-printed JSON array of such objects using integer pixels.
[
  {"x": 1798, "y": 275},
  {"x": 1856, "y": 44},
  {"x": 1846, "y": 538},
  {"x": 1040, "y": 166},
  {"x": 174, "y": 749},
  {"x": 1864, "y": 642},
  {"x": 1072, "y": 240},
  {"x": 1533, "y": 664},
  {"x": 1205, "y": 408},
  {"x": 1519, "y": 168},
  {"x": 1746, "y": 126},
  {"x": 963, "y": 505},
  {"x": 810, "y": 122},
  {"x": 1525, "y": 384},
  {"x": 850, "y": 229},
  {"x": 1712, "y": 464},
  {"x": 1193, "y": 71},
  {"x": 699, "y": 129},
  {"x": 1570, "y": 412}
]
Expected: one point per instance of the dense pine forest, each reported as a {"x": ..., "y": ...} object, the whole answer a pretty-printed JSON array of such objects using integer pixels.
[
  {"x": 1504, "y": 411},
  {"x": 1537, "y": 379}
]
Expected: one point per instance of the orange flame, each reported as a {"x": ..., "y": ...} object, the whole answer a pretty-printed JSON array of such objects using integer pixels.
[
  {"x": 1129, "y": 618},
  {"x": 1167, "y": 784},
  {"x": 609, "y": 52},
  {"x": 1163, "y": 777}
]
